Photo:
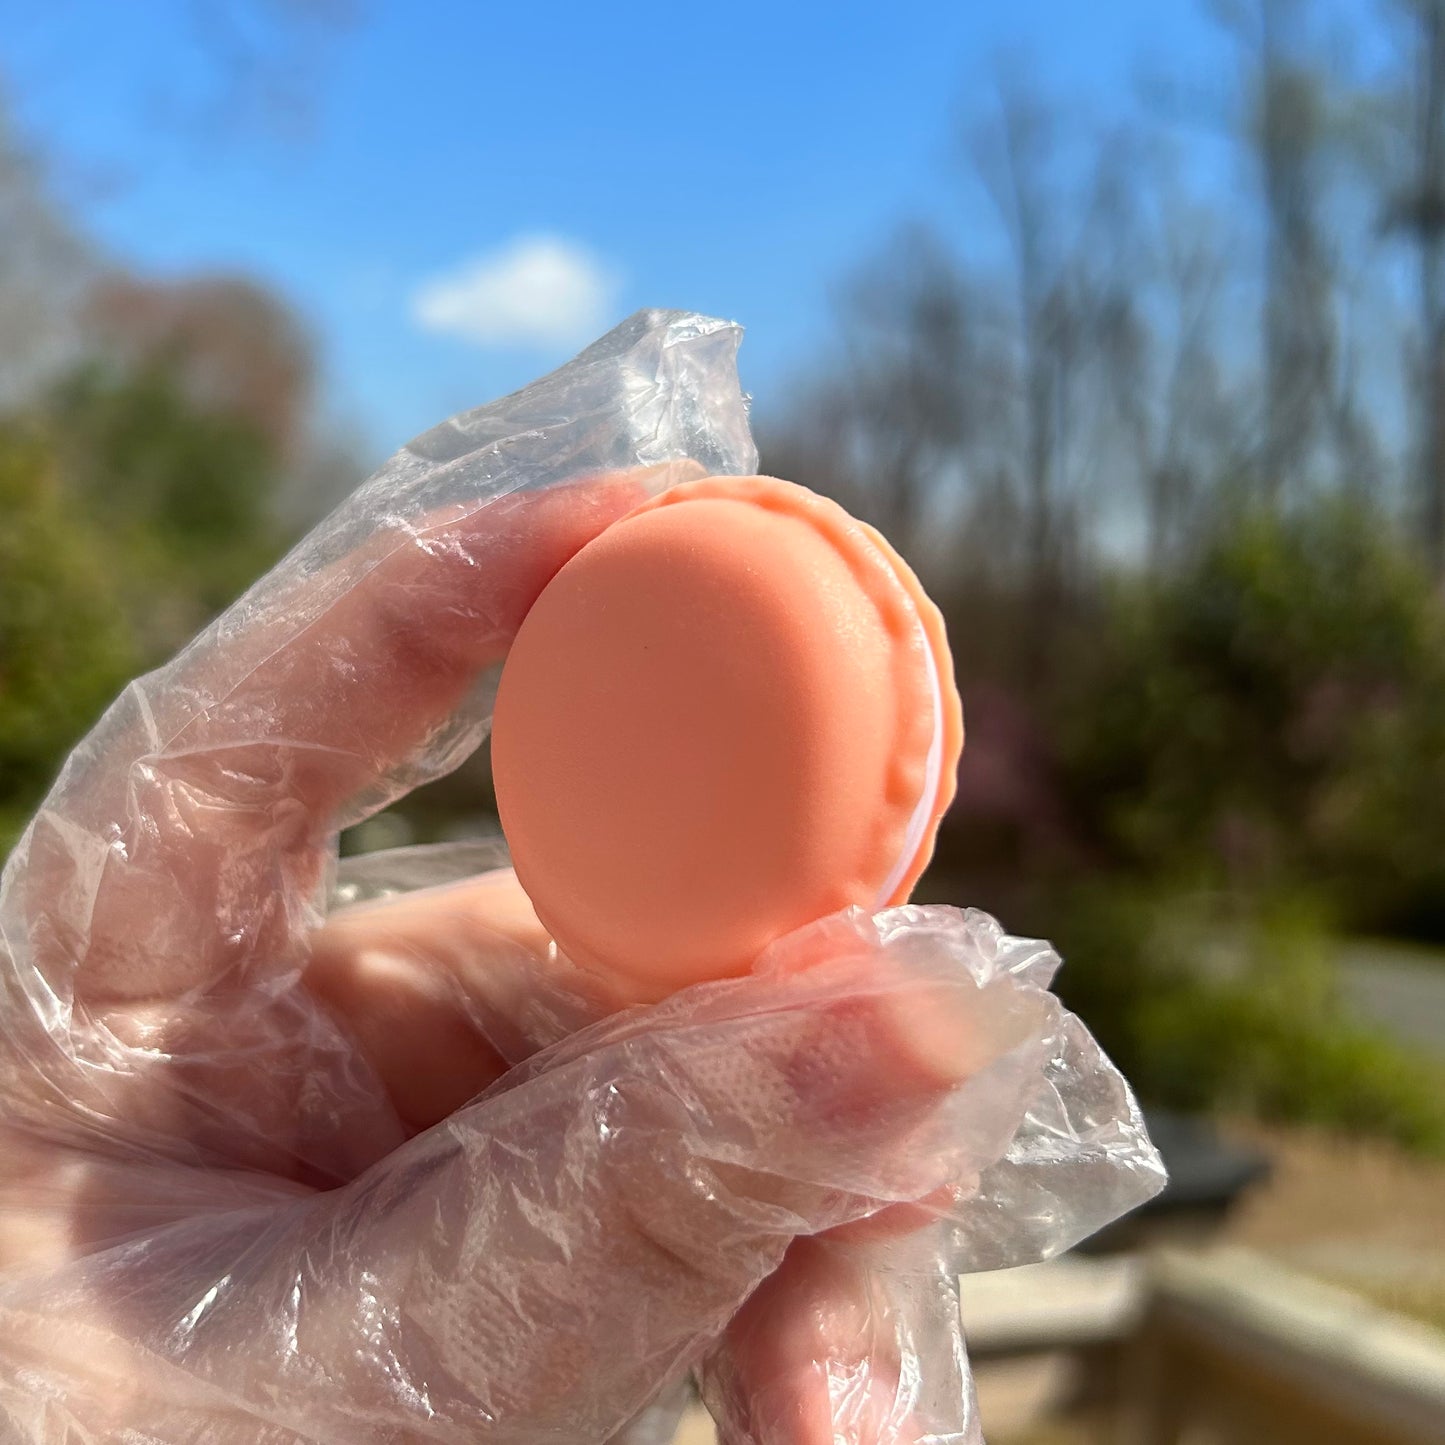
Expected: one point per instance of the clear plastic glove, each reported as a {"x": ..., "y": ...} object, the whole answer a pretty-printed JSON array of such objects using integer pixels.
[{"x": 279, "y": 1171}]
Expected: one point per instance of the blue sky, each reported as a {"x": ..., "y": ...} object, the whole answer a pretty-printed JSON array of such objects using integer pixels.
[{"x": 515, "y": 172}]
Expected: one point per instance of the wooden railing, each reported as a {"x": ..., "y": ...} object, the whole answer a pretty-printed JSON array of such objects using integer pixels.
[
  {"x": 1212, "y": 1347},
  {"x": 1232, "y": 1349}
]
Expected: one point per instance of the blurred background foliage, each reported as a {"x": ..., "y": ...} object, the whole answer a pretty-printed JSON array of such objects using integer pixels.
[{"x": 1191, "y": 568}]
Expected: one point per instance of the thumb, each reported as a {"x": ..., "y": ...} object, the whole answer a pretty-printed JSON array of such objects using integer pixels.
[
  {"x": 842, "y": 1344},
  {"x": 547, "y": 1259}
]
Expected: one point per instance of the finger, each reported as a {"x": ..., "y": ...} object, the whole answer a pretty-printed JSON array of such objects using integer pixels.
[
  {"x": 544, "y": 1262},
  {"x": 410, "y": 1008},
  {"x": 808, "y": 1360},
  {"x": 208, "y": 811},
  {"x": 837, "y": 1348},
  {"x": 250, "y": 1079},
  {"x": 57, "y": 1204},
  {"x": 857, "y": 1337},
  {"x": 445, "y": 988}
]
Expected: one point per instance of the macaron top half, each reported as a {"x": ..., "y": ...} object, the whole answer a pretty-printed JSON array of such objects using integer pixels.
[{"x": 729, "y": 715}]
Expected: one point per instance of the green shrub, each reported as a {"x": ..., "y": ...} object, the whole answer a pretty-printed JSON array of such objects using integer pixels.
[
  {"x": 184, "y": 493},
  {"x": 65, "y": 649},
  {"x": 1272, "y": 716},
  {"x": 1209, "y": 1005},
  {"x": 129, "y": 516}
]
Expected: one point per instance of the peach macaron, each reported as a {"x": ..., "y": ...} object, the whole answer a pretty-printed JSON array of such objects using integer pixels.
[{"x": 729, "y": 715}]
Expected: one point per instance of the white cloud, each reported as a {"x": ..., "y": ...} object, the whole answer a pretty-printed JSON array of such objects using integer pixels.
[{"x": 539, "y": 289}]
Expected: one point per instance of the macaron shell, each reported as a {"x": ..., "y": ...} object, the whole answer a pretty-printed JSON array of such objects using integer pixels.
[
  {"x": 714, "y": 727},
  {"x": 880, "y": 571},
  {"x": 950, "y": 723}
]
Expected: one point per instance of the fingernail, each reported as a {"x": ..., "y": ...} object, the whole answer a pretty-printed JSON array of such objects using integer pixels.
[{"x": 949, "y": 1032}]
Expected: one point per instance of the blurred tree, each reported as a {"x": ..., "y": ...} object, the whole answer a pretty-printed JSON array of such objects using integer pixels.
[
  {"x": 248, "y": 69},
  {"x": 891, "y": 429},
  {"x": 1299, "y": 333},
  {"x": 235, "y": 349},
  {"x": 1271, "y": 715},
  {"x": 979, "y": 419},
  {"x": 1014, "y": 156},
  {"x": 1171, "y": 390},
  {"x": 1068, "y": 200},
  {"x": 1308, "y": 126},
  {"x": 45, "y": 267},
  {"x": 184, "y": 493},
  {"x": 147, "y": 432},
  {"x": 1416, "y": 208},
  {"x": 65, "y": 650},
  {"x": 264, "y": 57}
]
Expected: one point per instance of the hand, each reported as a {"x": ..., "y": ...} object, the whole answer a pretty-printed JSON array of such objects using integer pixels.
[
  {"x": 250, "y": 1191},
  {"x": 399, "y": 1174}
]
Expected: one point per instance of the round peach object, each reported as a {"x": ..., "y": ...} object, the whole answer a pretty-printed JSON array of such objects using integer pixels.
[{"x": 730, "y": 714}]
